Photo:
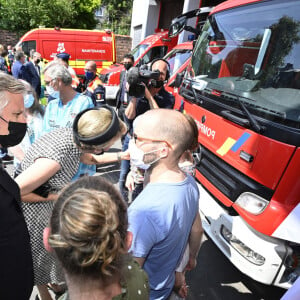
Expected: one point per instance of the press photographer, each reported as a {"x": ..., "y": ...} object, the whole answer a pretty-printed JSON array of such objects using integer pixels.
[
  {"x": 146, "y": 87},
  {"x": 138, "y": 78}
]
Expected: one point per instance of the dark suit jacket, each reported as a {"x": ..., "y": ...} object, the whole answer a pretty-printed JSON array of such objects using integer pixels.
[
  {"x": 31, "y": 75},
  {"x": 16, "y": 270},
  {"x": 120, "y": 94}
]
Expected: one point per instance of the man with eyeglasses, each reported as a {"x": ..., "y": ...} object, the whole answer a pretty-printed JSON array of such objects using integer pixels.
[
  {"x": 155, "y": 97},
  {"x": 67, "y": 103},
  {"x": 16, "y": 269},
  {"x": 164, "y": 218},
  {"x": 93, "y": 85}
]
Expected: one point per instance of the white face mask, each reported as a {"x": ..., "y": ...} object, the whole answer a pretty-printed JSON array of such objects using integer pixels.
[
  {"x": 52, "y": 92},
  {"x": 137, "y": 156}
]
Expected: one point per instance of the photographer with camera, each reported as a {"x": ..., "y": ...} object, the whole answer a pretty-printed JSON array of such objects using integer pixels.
[{"x": 146, "y": 88}]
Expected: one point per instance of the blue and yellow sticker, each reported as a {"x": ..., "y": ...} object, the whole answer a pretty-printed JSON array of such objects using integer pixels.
[{"x": 232, "y": 144}]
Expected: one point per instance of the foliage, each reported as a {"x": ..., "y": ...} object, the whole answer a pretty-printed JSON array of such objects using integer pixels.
[
  {"x": 23, "y": 15},
  {"x": 119, "y": 15}
]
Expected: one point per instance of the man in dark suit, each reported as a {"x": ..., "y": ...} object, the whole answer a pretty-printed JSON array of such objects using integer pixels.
[
  {"x": 122, "y": 97},
  {"x": 31, "y": 72},
  {"x": 121, "y": 104},
  {"x": 16, "y": 270}
]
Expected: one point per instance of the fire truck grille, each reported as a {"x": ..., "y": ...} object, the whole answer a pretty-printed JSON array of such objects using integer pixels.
[{"x": 227, "y": 179}]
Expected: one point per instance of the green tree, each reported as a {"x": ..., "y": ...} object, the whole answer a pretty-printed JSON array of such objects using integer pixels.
[
  {"x": 119, "y": 15},
  {"x": 23, "y": 15}
]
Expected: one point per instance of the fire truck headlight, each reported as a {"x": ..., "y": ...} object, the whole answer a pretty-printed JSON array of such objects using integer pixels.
[{"x": 252, "y": 203}]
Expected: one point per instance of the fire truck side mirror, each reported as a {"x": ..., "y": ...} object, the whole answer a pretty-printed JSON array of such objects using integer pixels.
[
  {"x": 177, "y": 26},
  {"x": 178, "y": 80}
]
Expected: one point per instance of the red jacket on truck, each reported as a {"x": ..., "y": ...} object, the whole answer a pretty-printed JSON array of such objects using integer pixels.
[{"x": 243, "y": 89}]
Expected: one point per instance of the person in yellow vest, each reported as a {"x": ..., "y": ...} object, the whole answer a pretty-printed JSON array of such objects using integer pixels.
[
  {"x": 93, "y": 85},
  {"x": 64, "y": 58}
]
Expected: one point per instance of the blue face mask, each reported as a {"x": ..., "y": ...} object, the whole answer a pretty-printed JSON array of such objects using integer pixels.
[
  {"x": 89, "y": 75},
  {"x": 28, "y": 100},
  {"x": 52, "y": 92}
]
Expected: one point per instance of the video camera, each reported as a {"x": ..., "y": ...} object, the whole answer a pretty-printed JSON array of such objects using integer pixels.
[{"x": 137, "y": 78}]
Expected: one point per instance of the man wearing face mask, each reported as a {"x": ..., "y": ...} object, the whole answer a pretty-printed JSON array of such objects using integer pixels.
[
  {"x": 16, "y": 270},
  {"x": 122, "y": 101},
  {"x": 67, "y": 103},
  {"x": 32, "y": 73},
  {"x": 164, "y": 218},
  {"x": 155, "y": 97},
  {"x": 123, "y": 97},
  {"x": 93, "y": 85}
]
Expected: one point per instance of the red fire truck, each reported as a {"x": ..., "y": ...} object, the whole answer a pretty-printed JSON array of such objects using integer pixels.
[
  {"x": 82, "y": 45},
  {"x": 153, "y": 46},
  {"x": 243, "y": 89}
]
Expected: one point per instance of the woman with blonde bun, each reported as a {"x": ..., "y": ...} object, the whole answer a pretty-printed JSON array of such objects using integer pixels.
[
  {"x": 88, "y": 234},
  {"x": 48, "y": 166}
]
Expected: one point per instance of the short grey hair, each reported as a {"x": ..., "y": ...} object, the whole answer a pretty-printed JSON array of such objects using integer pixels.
[
  {"x": 11, "y": 85},
  {"x": 19, "y": 55},
  {"x": 57, "y": 70}
]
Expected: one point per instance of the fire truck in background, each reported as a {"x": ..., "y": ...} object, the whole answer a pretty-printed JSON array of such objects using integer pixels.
[
  {"x": 178, "y": 59},
  {"x": 153, "y": 46},
  {"x": 243, "y": 89},
  {"x": 82, "y": 45}
]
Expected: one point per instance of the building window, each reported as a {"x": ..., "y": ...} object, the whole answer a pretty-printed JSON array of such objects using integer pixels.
[{"x": 99, "y": 12}]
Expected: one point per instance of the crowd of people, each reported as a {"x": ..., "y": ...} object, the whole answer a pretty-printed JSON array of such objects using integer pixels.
[{"x": 65, "y": 230}]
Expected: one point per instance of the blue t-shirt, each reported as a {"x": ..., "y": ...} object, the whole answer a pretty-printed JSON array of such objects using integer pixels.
[
  {"x": 160, "y": 219},
  {"x": 58, "y": 115}
]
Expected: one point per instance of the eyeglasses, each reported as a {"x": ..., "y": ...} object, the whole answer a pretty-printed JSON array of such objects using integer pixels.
[
  {"x": 135, "y": 138},
  {"x": 48, "y": 82}
]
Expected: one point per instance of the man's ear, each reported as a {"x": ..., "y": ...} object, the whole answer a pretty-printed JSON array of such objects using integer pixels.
[
  {"x": 129, "y": 238},
  {"x": 164, "y": 152},
  {"x": 46, "y": 234}
]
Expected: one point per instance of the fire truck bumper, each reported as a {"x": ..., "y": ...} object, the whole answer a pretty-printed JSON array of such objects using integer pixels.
[{"x": 258, "y": 256}]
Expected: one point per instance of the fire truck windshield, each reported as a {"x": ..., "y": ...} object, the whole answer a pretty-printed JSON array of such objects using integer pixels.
[
  {"x": 139, "y": 50},
  {"x": 254, "y": 53}
]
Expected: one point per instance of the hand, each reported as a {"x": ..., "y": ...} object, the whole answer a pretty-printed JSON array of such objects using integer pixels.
[
  {"x": 125, "y": 155},
  {"x": 87, "y": 158},
  {"x": 148, "y": 95},
  {"x": 180, "y": 287},
  {"x": 192, "y": 263},
  {"x": 183, "y": 291},
  {"x": 129, "y": 183},
  {"x": 52, "y": 197}
]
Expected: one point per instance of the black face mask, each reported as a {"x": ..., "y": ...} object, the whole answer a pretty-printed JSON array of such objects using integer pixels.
[
  {"x": 38, "y": 61},
  {"x": 157, "y": 83},
  {"x": 127, "y": 66},
  {"x": 16, "y": 134}
]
